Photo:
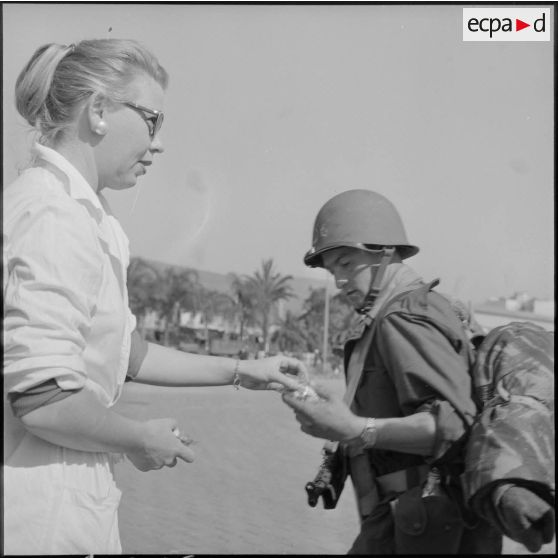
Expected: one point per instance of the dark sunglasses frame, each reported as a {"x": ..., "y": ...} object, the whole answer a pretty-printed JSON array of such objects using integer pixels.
[{"x": 156, "y": 120}]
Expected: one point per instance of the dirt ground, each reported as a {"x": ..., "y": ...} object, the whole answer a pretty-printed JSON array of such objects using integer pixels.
[{"x": 244, "y": 493}]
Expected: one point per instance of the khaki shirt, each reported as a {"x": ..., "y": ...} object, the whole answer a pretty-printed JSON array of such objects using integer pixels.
[{"x": 419, "y": 361}]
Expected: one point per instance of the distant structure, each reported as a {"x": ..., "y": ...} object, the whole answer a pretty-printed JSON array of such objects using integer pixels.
[{"x": 519, "y": 307}]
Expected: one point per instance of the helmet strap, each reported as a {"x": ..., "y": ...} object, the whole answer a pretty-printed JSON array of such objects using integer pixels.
[{"x": 376, "y": 281}]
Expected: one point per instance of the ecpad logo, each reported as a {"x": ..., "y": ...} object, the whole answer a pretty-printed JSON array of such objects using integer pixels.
[{"x": 506, "y": 24}]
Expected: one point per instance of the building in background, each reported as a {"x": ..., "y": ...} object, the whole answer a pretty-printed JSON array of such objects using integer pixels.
[{"x": 519, "y": 307}]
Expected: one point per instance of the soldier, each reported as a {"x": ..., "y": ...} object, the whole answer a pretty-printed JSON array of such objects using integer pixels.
[{"x": 403, "y": 434}]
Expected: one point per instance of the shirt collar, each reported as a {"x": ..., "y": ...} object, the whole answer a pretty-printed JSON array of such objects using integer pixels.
[
  {"x": 398, "y": 278},
  {"x": 72, "y": 179}
]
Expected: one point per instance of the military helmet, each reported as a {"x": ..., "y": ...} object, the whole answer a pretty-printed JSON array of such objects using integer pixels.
[{"x": 358, "y": 219}]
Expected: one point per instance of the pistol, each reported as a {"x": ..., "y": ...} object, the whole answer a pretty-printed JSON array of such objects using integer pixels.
[{"x": 329, "y": 481}]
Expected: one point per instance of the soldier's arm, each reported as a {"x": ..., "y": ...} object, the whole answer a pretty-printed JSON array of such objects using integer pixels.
[
  {"x": 329, "y": 417},
  {"x": 413, "y": 434},
  {"x": 430, "y": 376}
]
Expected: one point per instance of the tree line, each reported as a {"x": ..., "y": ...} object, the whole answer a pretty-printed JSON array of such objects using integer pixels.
[{"x": 251, "y": 303}]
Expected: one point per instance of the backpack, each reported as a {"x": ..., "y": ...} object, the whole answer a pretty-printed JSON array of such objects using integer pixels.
[{"x": 512, "y": 438}]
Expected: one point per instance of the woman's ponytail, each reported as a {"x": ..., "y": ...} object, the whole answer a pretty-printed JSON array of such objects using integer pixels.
[{"x": 34, "y": 84}]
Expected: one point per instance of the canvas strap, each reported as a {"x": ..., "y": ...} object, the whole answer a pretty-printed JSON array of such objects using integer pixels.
[
  {"x": 354, "y": 373},
  {"x": 355, "y": 367},
  {"x": 364, "y": 480}
]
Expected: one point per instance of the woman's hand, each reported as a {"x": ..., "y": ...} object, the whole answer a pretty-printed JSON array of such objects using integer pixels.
[
  {"x": 327, "y": 417},
  {"x": 277, "y": 373},
  {"x": 162, "y": 446}
]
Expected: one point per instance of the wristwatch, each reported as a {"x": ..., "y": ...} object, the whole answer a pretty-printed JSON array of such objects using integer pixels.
[{"x": 369, "y": 433}]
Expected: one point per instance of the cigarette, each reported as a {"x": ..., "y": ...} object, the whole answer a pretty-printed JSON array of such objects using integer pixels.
[{"x": 305, "y": 393}]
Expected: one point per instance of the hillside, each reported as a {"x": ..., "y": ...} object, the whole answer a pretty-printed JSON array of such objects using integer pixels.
[{"x": 221, "y": 282}]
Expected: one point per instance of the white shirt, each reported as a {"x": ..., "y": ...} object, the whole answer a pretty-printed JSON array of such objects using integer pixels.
[
  {"x": 66, "y": 318},
  {"x": 66, "y": 314}
]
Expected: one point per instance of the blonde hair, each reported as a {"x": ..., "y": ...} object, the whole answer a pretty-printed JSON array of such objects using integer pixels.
[{"x": 58, "y": 79}]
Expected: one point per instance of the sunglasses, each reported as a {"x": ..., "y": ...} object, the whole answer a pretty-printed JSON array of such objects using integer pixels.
[{"x": 154, "y": 122}]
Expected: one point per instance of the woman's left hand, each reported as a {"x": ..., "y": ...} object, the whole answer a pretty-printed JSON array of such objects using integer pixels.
[{"x": 275, "y": 373}]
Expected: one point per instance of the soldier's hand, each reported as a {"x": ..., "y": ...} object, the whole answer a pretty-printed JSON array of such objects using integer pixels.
[
  {"x": 325, "y": 417},
  {"x": 527, "y": 518}
]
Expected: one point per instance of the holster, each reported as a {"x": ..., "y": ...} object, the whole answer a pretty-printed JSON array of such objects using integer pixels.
[
  {"x": 427, "y": 524},
  {"x": 364, "y": 482},
  {"x": 330, "y": 480}
]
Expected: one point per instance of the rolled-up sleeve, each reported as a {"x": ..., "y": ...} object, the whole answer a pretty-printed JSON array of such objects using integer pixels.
[
  {"x": 54, "y": 273},
  {"x": 429, "y": 374}
]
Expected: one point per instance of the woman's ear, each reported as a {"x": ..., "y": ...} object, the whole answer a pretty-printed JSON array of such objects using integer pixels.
[{"x": 95, "y": 109}]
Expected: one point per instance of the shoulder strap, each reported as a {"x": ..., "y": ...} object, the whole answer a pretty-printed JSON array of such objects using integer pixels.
[
  {"x": 355, "y": 366},
  {"x": 358, "y": 356}
]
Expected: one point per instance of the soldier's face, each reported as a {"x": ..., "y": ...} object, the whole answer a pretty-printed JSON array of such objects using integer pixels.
[{"x": 353, "y": 270}]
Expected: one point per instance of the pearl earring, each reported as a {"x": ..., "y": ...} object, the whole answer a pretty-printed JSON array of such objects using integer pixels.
[{"x": 101, "y": 128}]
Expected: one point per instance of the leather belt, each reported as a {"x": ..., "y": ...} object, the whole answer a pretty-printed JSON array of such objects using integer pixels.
[
  {"x": 370, "y": 490},
  {"x": 366, "y": 489},
  {"x": 403, "y": 480}
]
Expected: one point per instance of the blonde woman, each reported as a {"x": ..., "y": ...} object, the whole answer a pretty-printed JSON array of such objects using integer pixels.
[{"x": 68, "y": 332}]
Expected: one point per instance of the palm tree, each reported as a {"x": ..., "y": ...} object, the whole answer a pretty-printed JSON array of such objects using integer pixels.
[
  {"x": 312, "y": 319},
  {"x": 211, "y": 304},
  {"x": 290, "y": 336},
  {"x": 244, "y": 303},
  {"x": 341, "y": 321},
  {"x": 142, "y": 281},
  {"x": 266, "y": 288},
  {"x": 177, "y": 291}
]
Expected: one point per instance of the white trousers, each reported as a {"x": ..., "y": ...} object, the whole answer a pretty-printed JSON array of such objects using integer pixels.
[{"x": 59, "y": 501}]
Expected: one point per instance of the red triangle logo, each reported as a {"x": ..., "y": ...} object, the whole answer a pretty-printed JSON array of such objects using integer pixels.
[{"x": 519, "y": 25}]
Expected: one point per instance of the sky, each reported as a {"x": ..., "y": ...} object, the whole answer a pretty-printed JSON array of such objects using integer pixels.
[{"x": 273, "y": 109}]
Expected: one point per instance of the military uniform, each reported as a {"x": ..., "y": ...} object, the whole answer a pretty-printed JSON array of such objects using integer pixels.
[{"x": 419, "y": 361}]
